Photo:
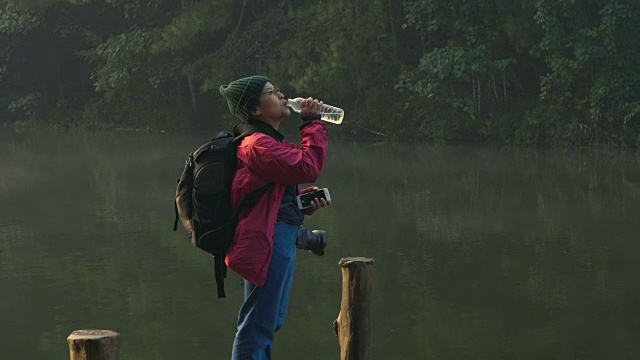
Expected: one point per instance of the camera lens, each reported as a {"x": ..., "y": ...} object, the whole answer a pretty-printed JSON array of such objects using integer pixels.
[
  {"x": 321, "y": 242},
  {"x": 314, "y": 241}
]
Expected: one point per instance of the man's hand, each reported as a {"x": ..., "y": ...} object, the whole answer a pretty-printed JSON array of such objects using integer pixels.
[
  {"x": 316, "y": 204},
  {"x": 310, "y": 107}
]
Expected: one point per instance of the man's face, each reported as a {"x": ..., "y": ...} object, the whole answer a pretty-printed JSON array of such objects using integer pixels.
[{"x": 272, "y": 104}]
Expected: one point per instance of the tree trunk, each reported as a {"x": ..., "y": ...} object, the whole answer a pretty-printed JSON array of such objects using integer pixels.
[
  {"x": 192, "y": 90},
  {"x": 178, "y": 92},
  {"x": 392, "y": 25}
]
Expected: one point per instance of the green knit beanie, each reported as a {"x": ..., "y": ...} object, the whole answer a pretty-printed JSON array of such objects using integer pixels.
[{"x": 242, "y": 95}]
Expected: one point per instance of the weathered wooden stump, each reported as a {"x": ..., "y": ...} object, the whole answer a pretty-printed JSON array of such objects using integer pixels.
[
  {"x": 353, "y": 325},
  {"x": 94, "y": 345}
]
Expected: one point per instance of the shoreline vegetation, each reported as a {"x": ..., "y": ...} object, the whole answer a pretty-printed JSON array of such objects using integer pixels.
[{"x": 529, "y": 72}]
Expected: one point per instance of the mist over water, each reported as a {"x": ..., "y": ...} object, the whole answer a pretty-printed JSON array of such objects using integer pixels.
[{"x": 480, "y": 252}]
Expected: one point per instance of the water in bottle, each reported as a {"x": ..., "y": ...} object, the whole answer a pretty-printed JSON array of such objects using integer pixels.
[{"x": 329, "y": 113}]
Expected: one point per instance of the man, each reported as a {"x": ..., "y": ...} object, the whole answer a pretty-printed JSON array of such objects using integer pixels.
[{"x": 263, "y": 250}]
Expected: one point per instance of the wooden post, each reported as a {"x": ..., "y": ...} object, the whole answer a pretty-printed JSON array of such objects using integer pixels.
[
  {"x": 94, "y": 345},
  {"x": 353, "y": 325}
]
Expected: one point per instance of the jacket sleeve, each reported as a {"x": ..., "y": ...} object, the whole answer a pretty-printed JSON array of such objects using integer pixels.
[{"x": 287, "y": 164}]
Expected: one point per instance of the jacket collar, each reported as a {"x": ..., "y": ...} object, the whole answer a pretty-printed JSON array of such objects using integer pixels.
[{"x": 266, "y": 129}]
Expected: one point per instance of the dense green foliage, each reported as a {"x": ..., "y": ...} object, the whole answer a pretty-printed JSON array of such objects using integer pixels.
[{"x": 524, "y": 71}]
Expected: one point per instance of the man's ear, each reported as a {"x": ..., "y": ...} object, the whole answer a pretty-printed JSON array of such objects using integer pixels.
[{"x": 255, "y": 112}]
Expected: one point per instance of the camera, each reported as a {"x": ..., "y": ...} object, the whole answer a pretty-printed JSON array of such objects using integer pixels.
[{"x": 312, "y": 240}]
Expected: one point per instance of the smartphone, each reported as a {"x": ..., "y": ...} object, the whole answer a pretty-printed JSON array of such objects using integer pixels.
[{"x": 304, "y": 200}]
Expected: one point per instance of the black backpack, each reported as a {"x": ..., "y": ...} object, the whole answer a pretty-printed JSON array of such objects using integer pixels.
[{"x": 203, "y": 197}]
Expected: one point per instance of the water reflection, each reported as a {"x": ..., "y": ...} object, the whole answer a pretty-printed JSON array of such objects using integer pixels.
[{"x": 481, "y": 253}]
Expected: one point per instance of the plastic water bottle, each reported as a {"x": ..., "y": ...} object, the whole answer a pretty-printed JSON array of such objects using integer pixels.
[{"x": 329, "y": 113}]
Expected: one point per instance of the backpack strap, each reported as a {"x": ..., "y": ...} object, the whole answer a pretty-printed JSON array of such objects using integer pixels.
[
  {"x": 252, "y": 199},
  {"x": 220, "y": 270},
  {"x": 242, "y": 130},
  {"x": 220, "y": 267}
]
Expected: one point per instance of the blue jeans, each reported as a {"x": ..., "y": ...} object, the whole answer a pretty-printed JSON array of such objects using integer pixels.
[{"x": 265, "y": 307}]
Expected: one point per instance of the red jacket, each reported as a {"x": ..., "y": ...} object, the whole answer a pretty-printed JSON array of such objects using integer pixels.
[{"x": 263, "y": 159}]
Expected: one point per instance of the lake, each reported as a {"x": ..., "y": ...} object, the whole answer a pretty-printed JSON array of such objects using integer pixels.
[{"x": 480, "y": 252}]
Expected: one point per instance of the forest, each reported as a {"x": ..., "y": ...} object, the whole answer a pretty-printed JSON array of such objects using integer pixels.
[{"x": 533, "y": 72}]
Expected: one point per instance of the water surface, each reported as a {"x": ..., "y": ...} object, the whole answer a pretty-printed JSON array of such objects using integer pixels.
[{"x": 480, "y": 252}]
